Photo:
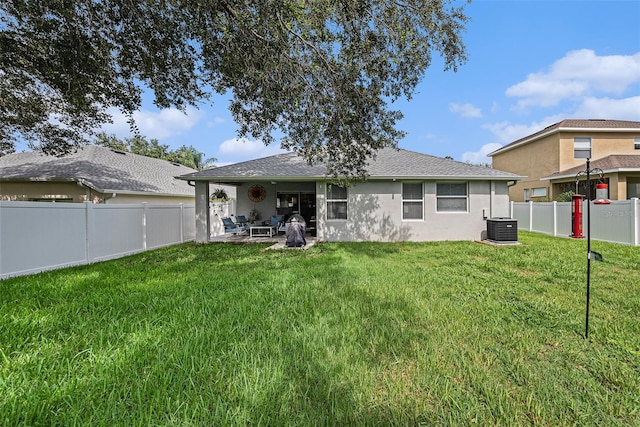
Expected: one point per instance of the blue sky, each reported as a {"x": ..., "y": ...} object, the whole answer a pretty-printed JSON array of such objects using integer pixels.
[{"x": 530, "y": 64}]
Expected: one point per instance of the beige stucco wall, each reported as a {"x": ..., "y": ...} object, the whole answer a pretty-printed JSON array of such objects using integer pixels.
[
  {"x": 26, "y": 191},
  {"x": 554, "y": 153},
  {"x": 46, "y": 190},
  {"x": 530, "y": 160}
]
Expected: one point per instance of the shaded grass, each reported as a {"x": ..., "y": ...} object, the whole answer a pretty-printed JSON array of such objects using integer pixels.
[{"x": 340, "y": 334}]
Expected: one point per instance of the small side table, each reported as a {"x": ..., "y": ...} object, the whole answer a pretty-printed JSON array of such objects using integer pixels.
[{"x": 262, "y": 230}]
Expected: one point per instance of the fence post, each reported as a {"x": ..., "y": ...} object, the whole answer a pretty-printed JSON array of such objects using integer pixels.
[
  {"x": 635, "y": 223},
  {"x": 530, "y": 215},
  {"x": 555, "y": 218},
  {"x": 88, "y": 224},
  {"x": 144, "y": 226},
  {"x": 181, "y": 222},
  {"x": 511, "y": 209}
]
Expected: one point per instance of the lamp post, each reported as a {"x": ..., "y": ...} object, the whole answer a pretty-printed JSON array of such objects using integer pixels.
[{"x": 588, "y": 171}]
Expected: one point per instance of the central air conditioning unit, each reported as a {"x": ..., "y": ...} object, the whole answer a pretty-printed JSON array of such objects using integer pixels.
[{"x": 502, "y": 230}]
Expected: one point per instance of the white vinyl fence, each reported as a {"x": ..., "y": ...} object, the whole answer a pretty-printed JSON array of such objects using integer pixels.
[
  {"x": 39, "y": 236},
  {"x": 617, "y": 222}
]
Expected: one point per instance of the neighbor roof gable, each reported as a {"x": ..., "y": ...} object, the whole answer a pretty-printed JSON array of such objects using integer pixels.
[{"x": 100, "y": 168}]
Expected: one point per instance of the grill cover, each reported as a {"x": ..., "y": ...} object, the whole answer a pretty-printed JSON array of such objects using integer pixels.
[{"x": 294, "y": 228}]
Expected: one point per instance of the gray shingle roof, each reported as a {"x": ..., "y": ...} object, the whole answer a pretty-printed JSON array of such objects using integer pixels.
[
  {"x": 101, "y": 168},
  {"x": 390, "y": 163},
  {"x": 574, "y": 124}
]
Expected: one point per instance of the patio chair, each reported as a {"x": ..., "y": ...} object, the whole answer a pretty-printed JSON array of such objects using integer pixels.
[
  {"x": 277, "y": 221},
  {"x": 242, "y": 220},
  {"x": 232, "y": 227}
]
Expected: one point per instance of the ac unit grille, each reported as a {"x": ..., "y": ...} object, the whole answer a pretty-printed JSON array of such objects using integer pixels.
[{"x": 502, "y": 229}]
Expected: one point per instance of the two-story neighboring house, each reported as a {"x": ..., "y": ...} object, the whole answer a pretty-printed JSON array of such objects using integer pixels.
[{"x": 552, "y": 158}]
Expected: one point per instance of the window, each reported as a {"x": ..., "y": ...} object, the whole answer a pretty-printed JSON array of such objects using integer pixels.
[
  {"x": 336, "y": 202},
  {"x": 539, "y": 192},
  {"x": 636, "y": 143},
  {"x": 527, "y": 195},
  {"x": 412, "y": 200},
  {"x": 582, "y": 147},
  {"x": 451, "y": 197}
]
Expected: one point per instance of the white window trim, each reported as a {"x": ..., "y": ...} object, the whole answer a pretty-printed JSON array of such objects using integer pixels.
[
  {"x": 543, "y": 190},
  {"x": 345, "y": 200},
  {"x": 466, "y": 196},
  {"x": 582, "y": 145},
  {"x": 421, "y": 200}
]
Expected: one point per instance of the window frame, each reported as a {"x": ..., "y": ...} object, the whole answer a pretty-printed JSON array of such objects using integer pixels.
[
  {"x": 452, "y": 197},
  {"x": 580, "y": 150},
  {"x": 636, "y": 143},
  {"x": 331, "y": 201},
  {"x": 412, "y": 201},
  {"x": 545, "y": 191}
]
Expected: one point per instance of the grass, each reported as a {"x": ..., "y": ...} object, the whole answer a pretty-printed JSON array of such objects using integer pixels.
[{"x": 446, "y": 333}]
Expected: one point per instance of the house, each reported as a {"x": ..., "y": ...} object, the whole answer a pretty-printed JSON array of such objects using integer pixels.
[
  {"x": 408, "y": 196},
  {"x": 94, "y": 173},
  {"x": 552, "y": 158}
]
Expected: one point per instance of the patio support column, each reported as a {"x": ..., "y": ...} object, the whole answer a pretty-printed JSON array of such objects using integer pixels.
[{"x": 203, "y": 219}]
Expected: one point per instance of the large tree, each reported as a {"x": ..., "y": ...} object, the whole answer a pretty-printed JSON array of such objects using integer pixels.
[
  {"x": 322, "y": 73},
  {"x": 187, "y": 156}
]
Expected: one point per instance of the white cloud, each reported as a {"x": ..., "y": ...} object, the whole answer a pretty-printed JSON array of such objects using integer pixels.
[
  {"x": 215, "y": 122},
  {"x": 507, "y": 132},
  {"x": 479, "y": 157},
  {"x": 241, "y": 149},
  {"x": 154, "y": 124},
  {"x": 579, "y": 73},
  {"x": 606, "y": 108},
  {"x": 465, "y": 110}
]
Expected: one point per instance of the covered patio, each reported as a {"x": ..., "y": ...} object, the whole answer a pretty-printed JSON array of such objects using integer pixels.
[{"x": 277, "y": 241}]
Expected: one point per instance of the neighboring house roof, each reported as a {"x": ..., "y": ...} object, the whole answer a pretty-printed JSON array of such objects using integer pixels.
[
  {"x": 613, "y": 163},
  {"x": 390, "y": 163},
  {"x": 574, "y": 125},
  {"x": 100, "y": 168}
]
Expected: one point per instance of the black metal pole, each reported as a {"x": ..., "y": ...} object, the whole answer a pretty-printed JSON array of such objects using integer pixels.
[{"x": 586, "y": 327}]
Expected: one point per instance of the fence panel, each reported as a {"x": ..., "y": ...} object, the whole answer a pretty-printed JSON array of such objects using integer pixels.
[
  {"x": 163, "y": 225},
  {"x": 612, "y": 222},
  {"x": 543, "y": 217},
  {"x": 617, "y": 222},
  {"x": 120, "y": 230},
  {"x": 522, "y": 212},
  {"x": 188, "y": 223},
  {"x": 38, "y": 236}
]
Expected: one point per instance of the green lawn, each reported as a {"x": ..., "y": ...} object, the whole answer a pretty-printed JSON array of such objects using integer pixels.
[{"x": 340, "y": 334}]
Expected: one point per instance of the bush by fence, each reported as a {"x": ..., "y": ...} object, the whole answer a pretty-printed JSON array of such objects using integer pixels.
[
  {"x": 38, "y": 236},
  {"x": 617, "y": 222}
]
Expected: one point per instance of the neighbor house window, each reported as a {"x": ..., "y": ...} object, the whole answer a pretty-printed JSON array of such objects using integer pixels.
[
  {"x": 336, "y": 202},
  {"x": 412, "y": 200},
  {"x": 527, "y": 194},
  {"x": 582, "y": 147},
  {"x": 451, "y": 197},
  {"x": 539, "y": 192},
  {"x": 636, "y": 143}
]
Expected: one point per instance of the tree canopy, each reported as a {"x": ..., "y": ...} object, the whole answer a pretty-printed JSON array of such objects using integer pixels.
[
  {"x": 321, "y": 73},
  {"x": 187, "y": 156}
]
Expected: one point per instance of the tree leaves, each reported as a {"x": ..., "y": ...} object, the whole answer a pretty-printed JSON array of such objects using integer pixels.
[{"x": 322, "y": 73}]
